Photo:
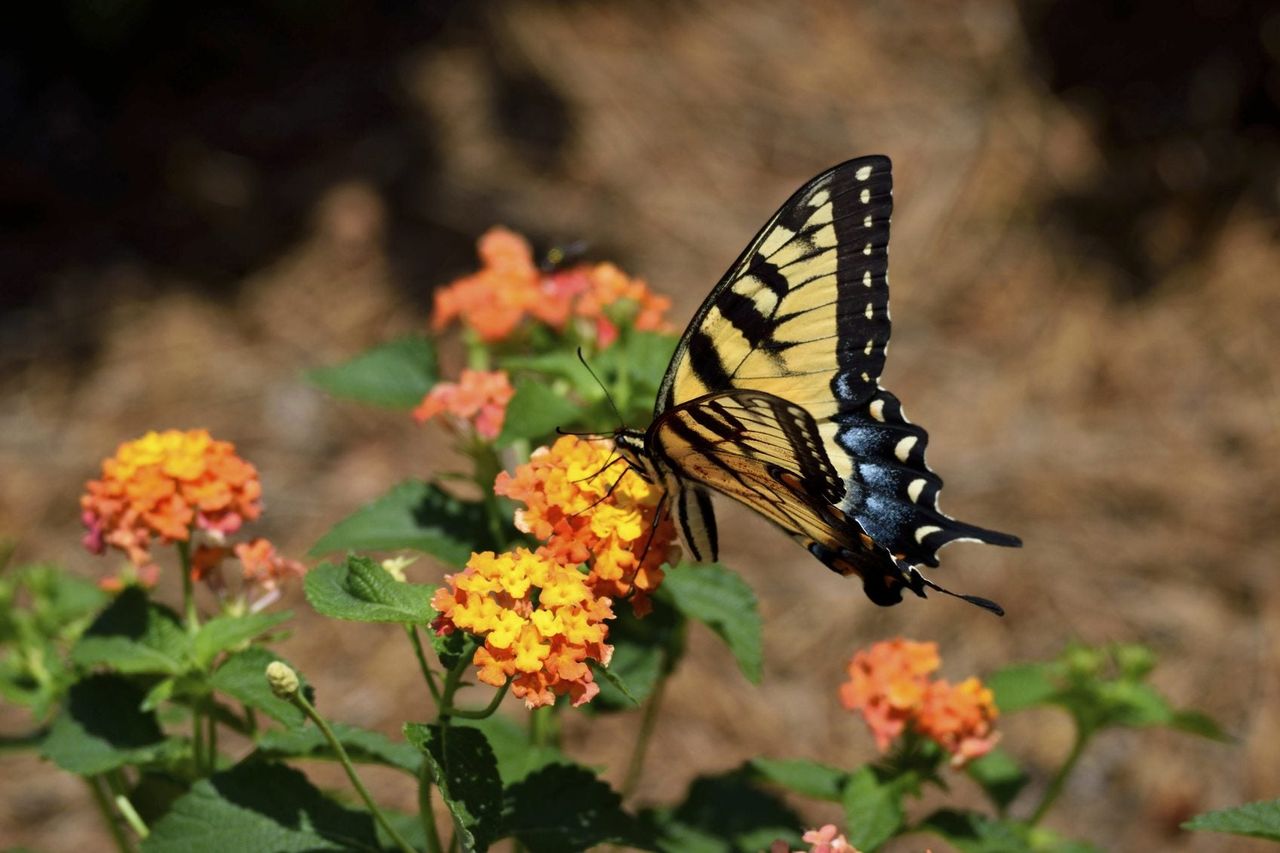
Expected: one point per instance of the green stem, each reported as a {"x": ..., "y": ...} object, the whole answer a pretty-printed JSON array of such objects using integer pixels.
[
  {"x": 425, "y": 813},
  {"x": 486, "y": 711},
  {"x": 197, "y": 739},
  {"x": 647, "y": 724},
  {"x": 131, "y": 816},
  {"x": 307, "y": 708},
  {"x": 428, "y": 674},
  {"x": 211, "y": 752},
  {"x": 542, "y": 726},
  {"x": 487, "y": 465},
  {"x": 104, "y": 808},
  {"x": 452, "y": 681},
  {"x": 188, "y": 588},
  {"x": 1060, "y": 778}
]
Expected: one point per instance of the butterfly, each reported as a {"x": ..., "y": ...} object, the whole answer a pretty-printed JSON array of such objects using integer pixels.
[{"x": 773, "y": 398}]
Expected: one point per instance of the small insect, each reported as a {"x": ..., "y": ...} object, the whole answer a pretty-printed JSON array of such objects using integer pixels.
[{"x": 773, "y": 398}]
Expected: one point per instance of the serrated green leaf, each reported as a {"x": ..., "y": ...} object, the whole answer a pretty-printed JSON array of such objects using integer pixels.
[
  {"x": 466, "y": 774},
  {"x": 396, "y": 374},
  {"x": 872, "y": 809},
  {"x": 808, "y": 778},
  {"x": 415, "y": 515},
  {"x": 516, "y": 756},
  {"x": 450, "y": 648},
  {"x": 134, "y": 636},
  {"x": 259, "y": 805},
  {"x": 362, "y": 746},
  {"x": 724, "y": 814},
  {"x": 999, "y": 775},
  {"x": 360, "y": 590},
  {"x": 1017, "y": 688},
  {"x": 643, "y": 651},
  {"x": 563, "y": 808},
  {"x": 534, "y": 413},
  {"x": 101, "y": 727},
  {"x": 243, "y": 677},
  {"x": 722, "y": 601},
  {"x": 1257, "y": 820},
  {"x": 223, "y": 633}
]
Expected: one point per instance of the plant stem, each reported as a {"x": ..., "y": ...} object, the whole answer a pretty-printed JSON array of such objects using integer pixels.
[
  {"x": 307, "y": 708},
  {"x": 131, "y": 816},
  {"x": 451, "y": 682},
  {"x": 211, "y": 752},
  {"x": 647, "y": 724},
  {"x": 1060, "y": 778},
  {"x": 197, "y": 739},
  {"x": 104, "y": 808},
  {"x": 188, "y": 588},
  {"x": 486, "y": 711},
  {"x": 488, "y": 464},
  {"x": 425, "y": 813},
  {"x": 428, "y": 674}
]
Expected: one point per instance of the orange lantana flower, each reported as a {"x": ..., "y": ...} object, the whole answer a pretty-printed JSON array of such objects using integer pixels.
[
  {"x": 890, "y": 685},
  {"x": 164, "y": 485},
  {"x": 509, "y": 287},
  {"x": 540, "y": 621},
  {"x": 479, "y": 397},
  {"x": 585, "y": 509}
]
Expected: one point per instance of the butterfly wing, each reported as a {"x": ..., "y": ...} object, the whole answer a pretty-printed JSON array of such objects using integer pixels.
[
  {"x": 764, "y": 452},
  {"x": 803, "y": 316}
]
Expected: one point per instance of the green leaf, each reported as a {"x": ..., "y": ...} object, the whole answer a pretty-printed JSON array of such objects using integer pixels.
[
  {"x": 463, "y": 765},
  {"x": 1258, "y": 820},
  {"x": 223, "y": 633},
  {"x": 259, "y": 805},
  {"x": 872, "y": 809},
  {"x": 101, "y": 728},
  {"x": 450, "y": 648},
  {"x": 516, "y": 757},
  {"x": 243, "y": 677},
  {"x": 615, "y": 681},
  {"x": 416, "y": 515},
  {"x": 360, "y": 590},
  {"x": 534, "y": 413},
  {"x": 808, "y": 778},
  {"x": 134, "y": 636},
  {"x": 562, "y": 808},
  {"x": 643, "y": 651},
  {"x": 999, "y": 775},
  {"x": 362, "y": 746},
  {"x": 396, "y": 374},
  {"x": 1017, "y": 688},
  {"x": 722, "y": 601},
  {"x": 725, "y": 814}
]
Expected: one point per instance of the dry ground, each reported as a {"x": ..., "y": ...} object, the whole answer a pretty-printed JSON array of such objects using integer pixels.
[{"x": 1131, "y": 442}]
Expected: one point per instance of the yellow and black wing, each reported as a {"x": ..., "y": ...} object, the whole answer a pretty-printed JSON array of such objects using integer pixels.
[{"x": 800, "y": 324}]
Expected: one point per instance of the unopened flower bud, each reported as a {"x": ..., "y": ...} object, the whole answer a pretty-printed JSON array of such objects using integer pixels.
[{"x": 283, "y": 680}]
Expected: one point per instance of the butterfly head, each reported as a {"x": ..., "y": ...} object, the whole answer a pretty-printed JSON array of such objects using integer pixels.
[{"x": 630, "y": 445}]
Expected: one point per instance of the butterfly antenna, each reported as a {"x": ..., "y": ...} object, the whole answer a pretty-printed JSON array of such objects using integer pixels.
[
  {"x": 919, "y": 581},
  {"x": 582, "y": 358},
  {"x": 592, "y": 436}
]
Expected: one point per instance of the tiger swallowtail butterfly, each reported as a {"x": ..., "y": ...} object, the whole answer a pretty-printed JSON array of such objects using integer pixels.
[{"x": 773, "y": 398}]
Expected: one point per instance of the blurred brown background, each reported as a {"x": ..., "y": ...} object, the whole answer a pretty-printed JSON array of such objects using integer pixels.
[{"x": 199, "y": 203}]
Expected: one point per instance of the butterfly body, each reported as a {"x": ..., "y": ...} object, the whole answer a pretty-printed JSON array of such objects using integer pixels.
[{"x": 773, "y": 397}]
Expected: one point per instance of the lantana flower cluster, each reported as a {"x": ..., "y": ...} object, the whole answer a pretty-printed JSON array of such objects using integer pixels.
[
  {"x": 890, "y": 685},
  {"x": 542, "y": 613},
  {"x": 584, "y": 505},
  {"x": 478, "y": 398},
  {"x": 540, "y": 622},
  {"x": 167, "y": 486},
  {"x": 161, "y": 486},
  {"x": 510, "y": 287}
]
